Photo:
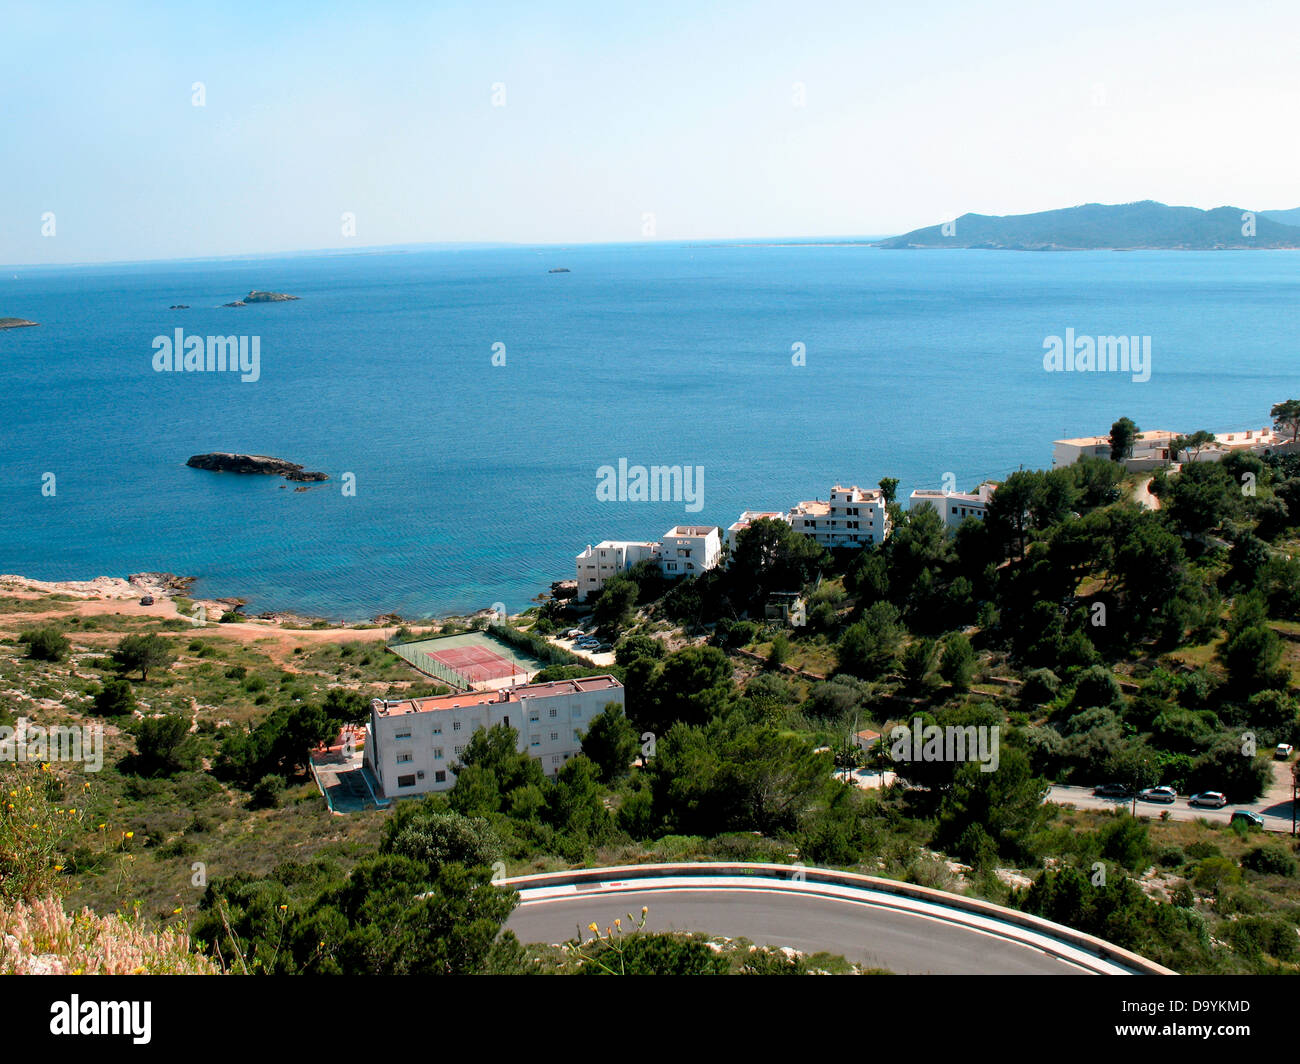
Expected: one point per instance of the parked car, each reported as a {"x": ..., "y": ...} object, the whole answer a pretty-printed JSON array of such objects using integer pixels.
[
  {"x": 574, "y": 633},
  {"x": 1112, "y": 790},
  {"x": 147, "y": 600},
  {"x": 1209, "y": 799},
  {"x": 1158, "y": 794},
  {"x": 1245, "y": 816},
  {"x": 1283, "y": 751}
]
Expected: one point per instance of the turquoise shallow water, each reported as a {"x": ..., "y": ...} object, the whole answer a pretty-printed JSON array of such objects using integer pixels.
[{"x": 476, "y": 483}]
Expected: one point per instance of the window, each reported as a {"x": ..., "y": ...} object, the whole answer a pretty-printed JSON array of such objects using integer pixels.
[
  {"x": 440, "y": 777},
  {"x": 555, "y": 736},
  {"x": 537, "y": 742},
  {"x": 406, "y": 781},
  {"x": 437, "y": 753},
  {"x": 403, "y": 734},
  {"x": 554, "y": 713},
  {"x": 437, "y": 729},
  {"x": 419, "y": 775},
  {"x": 455, "y": 725},
  {"x": 505, "y": 721},
  {"x": 403, "y": 759},
  {"x": 555, "y": 759},
  {"x": 459, "y": 750}
]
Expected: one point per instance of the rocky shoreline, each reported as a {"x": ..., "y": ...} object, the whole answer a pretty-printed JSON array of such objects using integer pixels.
[{"x": 167, "y": 586}]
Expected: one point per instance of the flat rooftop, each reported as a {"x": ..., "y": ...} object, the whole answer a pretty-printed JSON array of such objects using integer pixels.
[
  {"x": 1097, "y": 441},
  {"x": 505, "y": 696},
  {"x": 689, "y": 530},
  {"x": 812, "y": 507},
  {"x": 750, "y": 516},
  {"x": 856, "y": 493}
]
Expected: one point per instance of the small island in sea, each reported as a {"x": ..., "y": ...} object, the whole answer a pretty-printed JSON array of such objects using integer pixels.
[
  {"x": 16, "y": 323},
  {"x": 1147, "y": 225},
  {"x": 261, "y": 297},
  {"x": 225, "y": 462}
]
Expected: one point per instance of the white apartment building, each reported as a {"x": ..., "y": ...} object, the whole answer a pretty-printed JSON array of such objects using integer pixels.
[
  {"x": 1152, "y": 446},
  {"x": 412, "y": 743},
  {"x": 748, "y": 518},
  {"x": 852, "y": 517},
  {"x": 597, "y": 564},
  {"x": 955, "y": 506},
  {"x": 1253, "y": 441},
  {"x": 688, "y": 550},
  {"x": 1152, "y": 449}
]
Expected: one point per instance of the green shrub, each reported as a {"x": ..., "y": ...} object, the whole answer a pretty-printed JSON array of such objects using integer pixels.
[
  {"x": 267, "y": 792},
  {"x": 115, "y": 698},
  {"x": 1171, "y": 857},
  {"x": 45, "y": 644},
  {"x": 1269, "y": 861}
]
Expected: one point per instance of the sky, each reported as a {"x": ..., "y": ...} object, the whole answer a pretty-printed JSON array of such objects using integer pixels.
[{"x": 573, "y": 122}]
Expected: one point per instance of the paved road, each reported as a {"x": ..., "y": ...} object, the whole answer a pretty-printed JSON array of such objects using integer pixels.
[
  {"x": 1276, "y": 813},
  {"x": 880, "y": 933}
]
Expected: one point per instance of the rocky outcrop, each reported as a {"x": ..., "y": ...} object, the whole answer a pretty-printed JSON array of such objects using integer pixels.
[
  {"x": 236, "y": 303},
  {"x": 16, "y": 323},
  {"x": 179, "y": 306},
  {"x": 223, "y": 462},
  {"x": 164, "y": 583},
  {"x": 559, "y": 269},
  {"x": 267, "y": 297}
]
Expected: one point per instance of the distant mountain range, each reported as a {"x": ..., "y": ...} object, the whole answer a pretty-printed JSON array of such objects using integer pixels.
[{"x": 1124, "y": 226}]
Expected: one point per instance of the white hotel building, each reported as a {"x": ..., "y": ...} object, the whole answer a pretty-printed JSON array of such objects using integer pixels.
[
  {"x": 955, "y": 506},
  {"x": 412, "y": 743},
  {"x": 684, "y": 550},
  {"x": 748, "y": 518},
  {"x": 852, "y": 517},
  {"x": 597, "y": 564},
  {"x": 688, "y": 550},
  {"x": 1152, "y": 449}
]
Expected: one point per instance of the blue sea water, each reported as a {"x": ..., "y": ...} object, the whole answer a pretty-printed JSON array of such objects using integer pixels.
[{"x": 476, "y": 483}]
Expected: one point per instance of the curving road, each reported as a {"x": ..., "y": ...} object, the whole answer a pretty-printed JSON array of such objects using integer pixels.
[{"x": 872, "y": 928}]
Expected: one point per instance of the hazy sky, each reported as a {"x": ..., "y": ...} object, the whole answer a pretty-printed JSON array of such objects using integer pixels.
[{"x": 912, "y": 112}]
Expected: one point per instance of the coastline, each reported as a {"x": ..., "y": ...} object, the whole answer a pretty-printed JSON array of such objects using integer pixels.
[{"x": 170, "y": 592}]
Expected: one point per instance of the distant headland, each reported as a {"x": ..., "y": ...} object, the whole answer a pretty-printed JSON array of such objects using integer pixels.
[
  {"x": 1112, "y": 227},
  {"x": 224, "y": 462},
  {"x": 16, "y": 323}
]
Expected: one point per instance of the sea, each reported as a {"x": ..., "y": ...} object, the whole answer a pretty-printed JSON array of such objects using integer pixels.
[{"x": 463, "y": 400}]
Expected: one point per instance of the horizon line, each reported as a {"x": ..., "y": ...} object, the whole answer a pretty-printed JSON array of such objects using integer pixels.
[{"x": 456, "y": 245}]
